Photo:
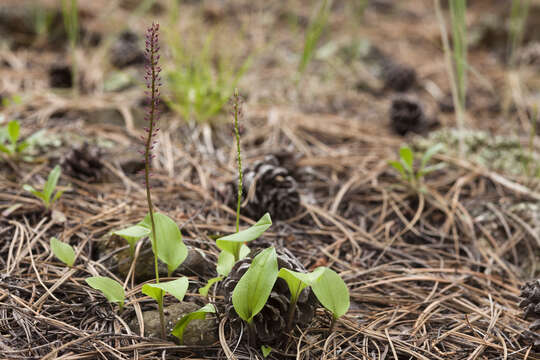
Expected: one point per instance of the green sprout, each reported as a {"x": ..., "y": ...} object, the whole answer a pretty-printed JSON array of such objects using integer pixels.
[
  {"x": 46, "y": 195},
  {"x": 405, "y": 165},
  {"x": 112, "y": 289},
  {"x": 10, "y": 143},
  {"x": 64, "y": 252}
]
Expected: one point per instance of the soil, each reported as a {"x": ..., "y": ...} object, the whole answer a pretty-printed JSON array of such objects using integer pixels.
[{"x": 434, "y": 270}]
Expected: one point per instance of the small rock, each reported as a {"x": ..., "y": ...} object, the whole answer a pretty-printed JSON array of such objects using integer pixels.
[{"x": 198, "y": 332}]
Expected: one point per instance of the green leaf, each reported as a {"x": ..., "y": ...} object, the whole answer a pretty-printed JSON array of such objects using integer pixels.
[
  {"x": 431, "y": 168},
  {"x": 332, "y": 292},
  {"x": 52, "y": 180},
  {"x": 232, "y": 243},
  {"x": 36, "y": 193},
  {"x": 132, "y": 234},
  {"x": 204, "y": 290},
  {"x": 64, "y": 252},
  {"x": 22, "y": 146},
  {"x": 407, "y": 158},
  {"x": 398, "y": 166},
  {"x": 112, "y": 289},
  {"x": 181, "y": 325},
  {"x": 5, "y": 149},
  {"x": 13, "y": 131},
  {"x": 266, "y": 350},
  {"x": 171, "y": 249},
  {"x": 429, "y": 154},
  {"x": 298, "y": 281},
  {"x": 57, "y": 196},
  {"x": 176, "y": 288},
  {"x": 254, "y": 287},
  {"x": 225, "y": 263}
]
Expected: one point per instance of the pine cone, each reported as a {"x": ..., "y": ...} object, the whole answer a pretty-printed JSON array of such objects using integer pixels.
[
  {"x": 407, "y": 115},
  {"x": 271, "y": 322},
  {"x": 267, "y": 187},
  {"x": 126, "y": 51},
  {"x": 399, "y": 78},
  {"x": 84, "y": 163},
  {"x": 530, "y": 303}
]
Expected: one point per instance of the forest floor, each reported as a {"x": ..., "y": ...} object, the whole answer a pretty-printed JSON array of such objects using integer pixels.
[{"x": 434, "y": 271}]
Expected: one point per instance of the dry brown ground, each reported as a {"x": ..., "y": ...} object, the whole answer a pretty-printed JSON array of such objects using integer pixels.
[{"x": 432, "y": 275}]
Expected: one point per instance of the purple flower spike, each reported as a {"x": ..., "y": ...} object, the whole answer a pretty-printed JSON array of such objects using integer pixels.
[{"x": 153, "y": 82}]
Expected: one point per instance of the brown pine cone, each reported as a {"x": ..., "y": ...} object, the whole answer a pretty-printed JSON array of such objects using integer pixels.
[
  {"x": 407, "y": 115},
  {"x": 83, "y": 163},
  {"x": 271, "y": 322},
  {"x": 530, "y": 303},
  {"x": 267, "y": 187},
  {"x": 126, "y": 51},
  {"x": 399, "y": 78}
]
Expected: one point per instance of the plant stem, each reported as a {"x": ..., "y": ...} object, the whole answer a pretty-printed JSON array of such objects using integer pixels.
[
  {"x": 450, "y": 69},
  {"x": 332, "y": 325},
  {"x": 239, "y": 157},
  {"x": 292, "y": 310},
  {"x": 147, "y": 158}
]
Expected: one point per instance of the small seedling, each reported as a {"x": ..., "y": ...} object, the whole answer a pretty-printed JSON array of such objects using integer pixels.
[
  {"x": 64, "y": 252},
  {"x": 200, "y": 88},
  {"x": 405, "y": 165},
  {"x": 46, "y": 195},
  {"x": 112, "y": 289},
  {"x": 234, "y": 244},
  {"x": 133, "y": 234},
  {"x": 332, "y": 293},
  {"x": 254, "y": 287},
  {"x": 14, "y": 147},
  {"x": 200, "y": 314},
  {"x": 298, "y": 282},
  {"x": 266, "y": 350},
  {"x": 176, "y": 288}
]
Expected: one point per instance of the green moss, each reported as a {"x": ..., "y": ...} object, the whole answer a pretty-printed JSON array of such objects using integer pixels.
[{"x": 501, "y": 153}]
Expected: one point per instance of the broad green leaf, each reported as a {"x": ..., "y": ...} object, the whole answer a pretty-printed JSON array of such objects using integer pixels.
[
  {"x": 232, "y": 243},
  {"x": 332, "y": 292},
  {"x": 132, "y": 234},
  {"x": 171, "y": 249},
  {"x": 176, "y": 288},
  {"x": 244, "y": 252},
  {"x": 112, "y": 289},
  {"x": 181, "y": 325},
  {"x": 254, "y": 287},
  {"x": 429, "y": 154},
  {"x": 225, "y": 263},
  {"x": 204, "y": 290},
  {"x": 52, "y": 180},
  {"x": 298, "y": 281},
  {"x": 13, "y": 131},
  {"x": 64, "y": 252},
  {"x": 407, "y": 158},
  {"x": 266, "y": 350},
  {"x": 398, "y": 166}
]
